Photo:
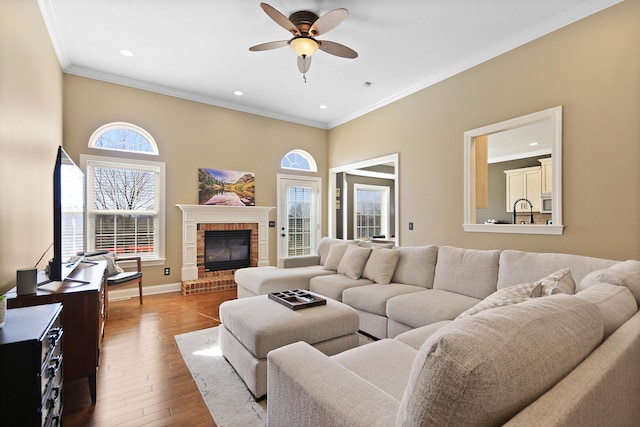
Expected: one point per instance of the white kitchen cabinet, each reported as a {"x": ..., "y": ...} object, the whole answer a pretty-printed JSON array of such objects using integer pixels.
[
  {"x": 524, "y": 183},
  {"x": 546, "y": 175}
]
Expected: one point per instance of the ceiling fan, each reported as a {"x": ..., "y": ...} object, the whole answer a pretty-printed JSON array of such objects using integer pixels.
[{"x": 305, "y": 26}]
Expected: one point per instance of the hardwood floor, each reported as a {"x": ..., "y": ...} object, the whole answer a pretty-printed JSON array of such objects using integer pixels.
[{"x": 142, "y": 378}]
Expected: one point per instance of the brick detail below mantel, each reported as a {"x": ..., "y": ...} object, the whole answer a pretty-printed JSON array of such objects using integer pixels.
[
  {"x": 198, "y": 218},
  {"x": 209, "y": 281}
]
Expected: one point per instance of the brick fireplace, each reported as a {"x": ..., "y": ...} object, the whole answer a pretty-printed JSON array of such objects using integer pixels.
[{"x": 196, "y": 219}]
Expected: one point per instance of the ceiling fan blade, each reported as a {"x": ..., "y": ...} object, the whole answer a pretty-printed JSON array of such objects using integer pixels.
[
  {"x": 269, "y": 46},
  {"x": 328, "y": 21},
  {"x": 280, "y": 19},
  {"x": 304, "y": 64},
  {"x": 337, "y": 49}
]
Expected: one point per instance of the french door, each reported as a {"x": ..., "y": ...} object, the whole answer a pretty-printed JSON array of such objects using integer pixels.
[{"x": 299, "y": 220}]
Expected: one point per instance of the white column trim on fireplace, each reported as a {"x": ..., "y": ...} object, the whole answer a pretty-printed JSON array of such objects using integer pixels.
[{"x": 192, "y": 215}]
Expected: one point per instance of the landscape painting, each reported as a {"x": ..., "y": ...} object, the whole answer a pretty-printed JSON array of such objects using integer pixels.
[{"x": 227, "y": 188}]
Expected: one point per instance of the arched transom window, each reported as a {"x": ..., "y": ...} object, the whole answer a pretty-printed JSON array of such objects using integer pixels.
[
  {"x": 121, "y": 136},
  {"x": 299, "y": 160}
]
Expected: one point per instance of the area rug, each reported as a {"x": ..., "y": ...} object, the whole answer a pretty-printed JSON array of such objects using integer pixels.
[{"x": 226, "y": 396}]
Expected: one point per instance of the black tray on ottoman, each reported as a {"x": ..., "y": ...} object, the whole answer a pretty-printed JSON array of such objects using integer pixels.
[{"x": 296, "y": 299}]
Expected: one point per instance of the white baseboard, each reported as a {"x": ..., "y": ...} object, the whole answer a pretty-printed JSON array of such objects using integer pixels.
[{"x": 128, "y": 293}]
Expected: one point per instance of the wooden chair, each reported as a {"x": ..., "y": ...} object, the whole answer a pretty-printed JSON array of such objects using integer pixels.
[{"x": 125, "y": 278}]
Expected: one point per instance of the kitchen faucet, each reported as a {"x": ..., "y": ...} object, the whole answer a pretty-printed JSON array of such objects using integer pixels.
[{"x": 523, "y": 199}]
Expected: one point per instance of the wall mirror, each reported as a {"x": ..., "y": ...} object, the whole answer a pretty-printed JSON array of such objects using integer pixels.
[
  {"x": 513, "y": 175},
  {"x": 376, "y": 177}
]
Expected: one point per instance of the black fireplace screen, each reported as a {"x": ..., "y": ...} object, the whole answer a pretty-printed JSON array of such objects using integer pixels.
[{"x": 227, "y": 250}]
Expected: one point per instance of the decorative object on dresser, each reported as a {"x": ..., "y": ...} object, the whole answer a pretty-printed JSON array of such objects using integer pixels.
[
  {"x": 32, "y": 357},
  {"x": 82, "y": 295}
]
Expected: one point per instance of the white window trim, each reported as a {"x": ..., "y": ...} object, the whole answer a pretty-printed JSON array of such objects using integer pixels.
[
  {"x": 313, "y": 167},
  {"x": 386, "y": 197},
  {"x": 85, "y": 158},
  {"x": 123, "y": 125}
]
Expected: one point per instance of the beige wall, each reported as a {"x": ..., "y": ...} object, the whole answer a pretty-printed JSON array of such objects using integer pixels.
[
  {"x": 189, "y": 135},
  {"x": 30, "y": 132},
  {"x": 592, "y": 68}
]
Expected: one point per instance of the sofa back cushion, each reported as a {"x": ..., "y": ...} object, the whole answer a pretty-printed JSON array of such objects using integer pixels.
[
  {"x": 625, "y": 273},
  {"x": 416, "y": 266},
  {"x": 522, "y": 267},
  {"x": 381, "y": 265},
  {"x": 484, "y": 369},
  {"x": 470, "y": 272},
  {"x": 616, "y": 304},
  {"x": 325, "y": 245}
]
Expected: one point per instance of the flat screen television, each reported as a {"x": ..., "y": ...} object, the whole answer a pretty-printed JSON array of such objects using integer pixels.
[{"x": 68, "y": 217}]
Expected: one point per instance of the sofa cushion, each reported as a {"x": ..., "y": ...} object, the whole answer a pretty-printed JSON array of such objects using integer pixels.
[
  {"x": 616, "y": 304},
  {"x": 333, "y": 285},
  {"x": 416, "y": 337},
  {"x": 353, "y": 261},
  {"x": 372, "y": 362},
  {"x": 381, "y": 265},
  {"x": 625, "y": 273},
  {"x": 484, "y": 369},
  {"x": 470, "y": 272},
  {"x": 336, "y": 252},
  {"x": 416, "y": 266},
  {"x": 325, "y": 245},
  {"x": 428, "y": 306},
  {"x": 558, "y": 282},
  {"x": 373, "y": 298},
  {"x": 525, "y": 267},
  {"x": 267, "y": 279}
]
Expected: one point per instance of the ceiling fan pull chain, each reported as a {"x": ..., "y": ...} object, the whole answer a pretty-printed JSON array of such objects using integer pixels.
[{"x": 304, "y": 77}]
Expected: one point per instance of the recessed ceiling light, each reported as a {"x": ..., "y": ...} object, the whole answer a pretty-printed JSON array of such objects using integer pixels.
[
  {"x": 323, "y": 107},
  {"x": 533, "y": 144},
  {"x": 238, "y": 93},
  {"x": 126, "y": 52}
]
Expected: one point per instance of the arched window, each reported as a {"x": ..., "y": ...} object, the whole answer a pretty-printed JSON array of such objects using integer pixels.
[
  {"x": 125, "y": 196},
  {"x": 299, "y": 160},
  {"x": 121, "y": 136}
]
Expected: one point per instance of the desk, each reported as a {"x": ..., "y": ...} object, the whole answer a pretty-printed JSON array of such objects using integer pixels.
[{"x": 83, "y": 319}]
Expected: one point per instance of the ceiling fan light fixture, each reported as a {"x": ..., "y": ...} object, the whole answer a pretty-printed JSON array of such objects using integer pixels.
[{"x": 303, "y": 46}]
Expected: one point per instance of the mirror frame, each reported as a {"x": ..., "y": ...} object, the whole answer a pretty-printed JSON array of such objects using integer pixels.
[
  {"x": 362, "y": 164},
  {"x": 555, "y": 115}
]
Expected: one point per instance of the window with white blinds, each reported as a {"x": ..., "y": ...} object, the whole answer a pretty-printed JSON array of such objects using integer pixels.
[
  {"x": 371, "y": 211},
  {"x": 124, "y": 206},
  {"x": 299, "y": 200}
]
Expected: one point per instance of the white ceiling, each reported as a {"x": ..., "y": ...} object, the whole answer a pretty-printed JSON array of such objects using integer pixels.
[{"x": 198, "y": 49}]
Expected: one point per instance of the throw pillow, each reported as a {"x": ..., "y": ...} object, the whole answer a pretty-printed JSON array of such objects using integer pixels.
[
  {"x": 112, "y": 267},
  {"x": 336, "y": 252},
  {"x": 625, "y": 273},
  {"x": 381, "y": 265},
  {"x": 484, "y": 369},
  {"x": 558, "y": 282},
  {"x": 353, "y": 261}
]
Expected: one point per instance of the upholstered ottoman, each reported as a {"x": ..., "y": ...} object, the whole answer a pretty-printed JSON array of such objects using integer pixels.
[{"x": 252, "y": 327}]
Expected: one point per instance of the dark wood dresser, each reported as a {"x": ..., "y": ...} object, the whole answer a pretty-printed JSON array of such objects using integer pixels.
[
  {"x": 31, "y": 366},
  {"x": 82, "y": 296}
]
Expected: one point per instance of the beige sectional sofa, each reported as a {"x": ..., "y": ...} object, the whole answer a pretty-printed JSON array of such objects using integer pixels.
[{"x": 467, "y": 337}]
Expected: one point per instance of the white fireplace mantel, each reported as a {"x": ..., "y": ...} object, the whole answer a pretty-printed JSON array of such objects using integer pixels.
[{"x": 192, "y": 215}]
